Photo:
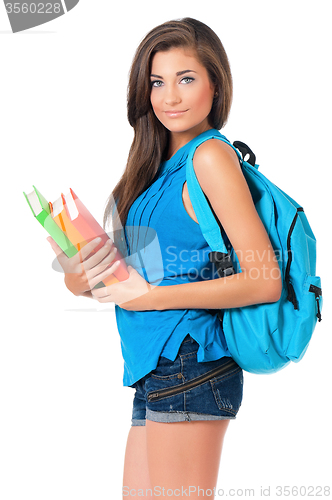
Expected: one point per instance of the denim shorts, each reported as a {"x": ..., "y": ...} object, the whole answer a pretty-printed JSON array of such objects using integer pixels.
[{"x": 186, "y": 390}]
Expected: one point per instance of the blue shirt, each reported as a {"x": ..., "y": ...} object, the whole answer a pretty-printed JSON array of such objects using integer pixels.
[{"x": 166, "y": 246}]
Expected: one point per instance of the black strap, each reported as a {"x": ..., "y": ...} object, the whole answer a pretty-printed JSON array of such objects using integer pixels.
[
  {"x": 245, "y": 150},
  {"x": 223, "y": 263}
]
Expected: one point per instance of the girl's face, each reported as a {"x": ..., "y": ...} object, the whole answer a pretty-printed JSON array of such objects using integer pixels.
[{"x": 181, "y": 91}]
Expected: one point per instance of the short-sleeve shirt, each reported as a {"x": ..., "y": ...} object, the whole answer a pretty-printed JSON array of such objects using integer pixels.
[{"x": 166, "y": 246}]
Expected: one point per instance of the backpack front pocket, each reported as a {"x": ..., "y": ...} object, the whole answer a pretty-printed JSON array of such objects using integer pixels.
[{"x": 310, "y": 309}]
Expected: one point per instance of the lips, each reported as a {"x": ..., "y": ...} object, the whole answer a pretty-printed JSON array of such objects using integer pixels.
[{"x": 175, "y": 113}]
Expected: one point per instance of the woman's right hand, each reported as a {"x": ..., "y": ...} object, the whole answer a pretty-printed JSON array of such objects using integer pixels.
[{"x": 81, "y": 271}]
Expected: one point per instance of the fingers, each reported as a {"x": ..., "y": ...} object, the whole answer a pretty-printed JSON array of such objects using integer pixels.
[
  {"x": 87, "y": 249},
  {"x": 100, "y": 255},
  {"x": 102, "y": 267},
  {"x": 81, "y": 265},
  {"x": 103, "y": 275}
]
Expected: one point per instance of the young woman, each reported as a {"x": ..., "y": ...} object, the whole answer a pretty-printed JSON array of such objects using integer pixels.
[{"x": 180, "y": 87}]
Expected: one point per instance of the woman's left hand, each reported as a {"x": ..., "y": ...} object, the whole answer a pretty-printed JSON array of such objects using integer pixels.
[{"x": 131, "y": 294}]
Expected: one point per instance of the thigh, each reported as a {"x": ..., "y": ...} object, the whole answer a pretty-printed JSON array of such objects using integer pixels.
[
  {"x": 184, "y": 455},
  {"x": 136, "y": 472}
]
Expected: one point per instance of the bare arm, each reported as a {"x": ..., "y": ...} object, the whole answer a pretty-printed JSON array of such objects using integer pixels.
[{"x": 220, "y": 176}]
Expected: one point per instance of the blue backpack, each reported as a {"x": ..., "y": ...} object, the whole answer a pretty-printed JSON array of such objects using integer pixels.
[{"x": 264, "y": 338}]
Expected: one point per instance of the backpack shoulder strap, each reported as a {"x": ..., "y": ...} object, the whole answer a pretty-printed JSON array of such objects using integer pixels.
[{"x": 207, "y": 222}]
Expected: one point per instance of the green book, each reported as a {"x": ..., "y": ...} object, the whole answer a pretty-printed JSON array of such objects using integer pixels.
[{"x": 42, "y": 212}]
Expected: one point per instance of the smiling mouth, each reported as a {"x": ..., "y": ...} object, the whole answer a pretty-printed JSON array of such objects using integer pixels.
[{"x": 175, "y": 113}]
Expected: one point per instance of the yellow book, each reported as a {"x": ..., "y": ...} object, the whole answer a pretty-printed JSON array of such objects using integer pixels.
[{"x": 59, "y": 215}]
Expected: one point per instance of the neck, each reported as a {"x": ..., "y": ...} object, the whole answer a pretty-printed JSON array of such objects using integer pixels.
[{"x": 179, "y": 139}]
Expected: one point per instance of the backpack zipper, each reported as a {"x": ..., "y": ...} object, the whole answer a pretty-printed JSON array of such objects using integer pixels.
[
  {"x": 318, "y": 292},
  {"x": 290, "y": 289},
  {"x": 170, "y": 391}
]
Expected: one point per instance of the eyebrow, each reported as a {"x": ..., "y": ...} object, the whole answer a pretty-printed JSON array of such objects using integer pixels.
[{"x": 179, "y": 73}]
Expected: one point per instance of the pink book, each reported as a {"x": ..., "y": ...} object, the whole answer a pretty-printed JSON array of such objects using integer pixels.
[{"x": 89, "y": 228}]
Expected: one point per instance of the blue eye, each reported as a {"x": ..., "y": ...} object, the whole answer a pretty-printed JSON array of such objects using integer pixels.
[
  {"x": 156, "y": 83},
  {"x": 188, "y": 79}
]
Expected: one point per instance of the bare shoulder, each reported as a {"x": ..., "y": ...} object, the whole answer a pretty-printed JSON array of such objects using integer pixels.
[
  {"x": 213, "y": 155},
  {"x": 216, "y": 161}
]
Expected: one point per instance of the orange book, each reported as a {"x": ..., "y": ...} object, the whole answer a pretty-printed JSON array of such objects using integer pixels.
[
  {"x": 59, "y": 215},
  {"x": 88, "y": 227}
]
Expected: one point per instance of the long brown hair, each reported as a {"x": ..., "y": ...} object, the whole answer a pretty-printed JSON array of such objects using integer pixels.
[{"x": 150, "y": 143}]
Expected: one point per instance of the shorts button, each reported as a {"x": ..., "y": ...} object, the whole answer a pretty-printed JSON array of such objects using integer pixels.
[{"x": 179, "y": 375}]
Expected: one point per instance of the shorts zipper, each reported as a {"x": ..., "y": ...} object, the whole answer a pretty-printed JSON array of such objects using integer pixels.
[{"x": 170, "y": 391}]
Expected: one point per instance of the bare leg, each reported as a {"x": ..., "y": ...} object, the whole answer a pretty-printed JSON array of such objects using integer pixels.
[
  {"x": 185, "y": 454},
  {"x": 136, "y": 473}
]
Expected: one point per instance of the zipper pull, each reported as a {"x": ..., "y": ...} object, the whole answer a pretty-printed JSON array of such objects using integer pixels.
[
  {"x": 318, "y": 292},
  {"x": 291, "y": 295}
]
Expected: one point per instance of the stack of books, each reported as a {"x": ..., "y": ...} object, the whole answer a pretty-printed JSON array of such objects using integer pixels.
[{"x": 72, "y": 226}]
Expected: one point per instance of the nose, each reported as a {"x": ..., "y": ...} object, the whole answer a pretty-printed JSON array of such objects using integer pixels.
[{"x": 172, "y": 96}]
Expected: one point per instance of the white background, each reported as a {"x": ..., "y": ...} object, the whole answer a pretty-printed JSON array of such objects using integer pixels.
[{"x": 64, "y": 414}]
